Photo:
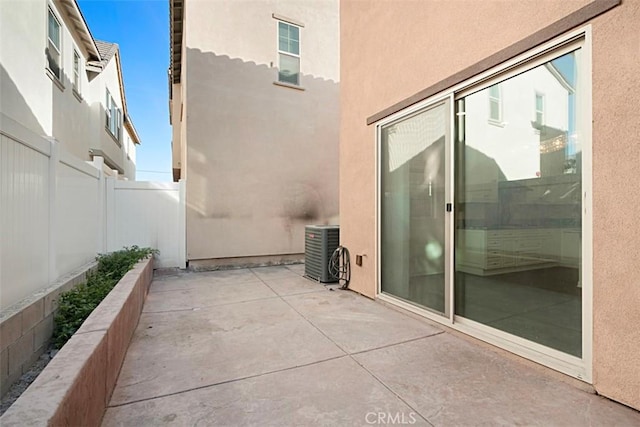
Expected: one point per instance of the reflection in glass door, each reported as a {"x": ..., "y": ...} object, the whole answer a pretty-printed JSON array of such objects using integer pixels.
[
  {"x": 519, "y": 207},
  {"x": 412, "y": 208}
]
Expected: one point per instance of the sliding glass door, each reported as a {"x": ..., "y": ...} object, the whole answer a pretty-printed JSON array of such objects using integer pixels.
[
  {"x": 510, "y": 268},
  {"x": 519, "y": 206},
  {"x": 413, "y": 184}
]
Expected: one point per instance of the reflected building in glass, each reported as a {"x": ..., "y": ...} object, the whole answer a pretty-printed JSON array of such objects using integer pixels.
[{"x": 518, "y": 216}]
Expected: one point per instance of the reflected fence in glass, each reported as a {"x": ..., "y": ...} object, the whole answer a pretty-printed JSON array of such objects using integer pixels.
[
  {"x": 412, "y": 215},
  {"x": 518, "y": 218}
]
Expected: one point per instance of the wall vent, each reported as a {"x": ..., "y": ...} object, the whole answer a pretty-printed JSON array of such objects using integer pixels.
[{"x": 320, "y": 241}]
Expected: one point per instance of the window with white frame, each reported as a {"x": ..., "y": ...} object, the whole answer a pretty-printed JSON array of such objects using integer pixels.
[
  {"x": 289, "y": 53},
  {"x": 113, "y": 116},
  {"x": 76, "y": 71},
  {"x": 54, "y": 45},
  {"x": 107, "y": 110},
  {"x": 495, "y": 103},
  {"x": 539, "y": 109},
  {"x": 127, "y": 147}
]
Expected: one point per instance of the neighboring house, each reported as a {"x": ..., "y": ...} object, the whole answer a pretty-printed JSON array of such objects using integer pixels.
[
  {"x": 57, "y": 81},
  {"x": 487, "y": 173},
  {"x": 255, "y": 114},
  {"x": 62, "y": 103},
  {"x": 519, "y": 112}
]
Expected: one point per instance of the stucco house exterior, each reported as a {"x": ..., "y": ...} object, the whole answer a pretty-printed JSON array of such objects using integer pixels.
[
  {"x": 58, "y": 81},
  {"x": 488, "y": 161},
  {"x": 255, "y": 125}
]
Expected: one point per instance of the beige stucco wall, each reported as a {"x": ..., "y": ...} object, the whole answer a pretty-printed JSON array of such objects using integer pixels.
[
  {"x": 175, "y": 105},
  {"x": 178, "y": 114},
  {"x": 262, "y": 159},
  {"x": 616, "y": 203},
  {"x": 388, "y": 53}
]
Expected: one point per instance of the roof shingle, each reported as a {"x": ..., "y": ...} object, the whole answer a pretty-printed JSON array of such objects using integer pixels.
[{"x": 106, "y": 50}]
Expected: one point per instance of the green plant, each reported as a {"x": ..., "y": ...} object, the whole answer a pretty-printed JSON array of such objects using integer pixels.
[{"x": 75, "y": 305}]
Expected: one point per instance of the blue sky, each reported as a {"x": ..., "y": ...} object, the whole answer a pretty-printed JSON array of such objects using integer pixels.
[{"x": 141, "y": 28}]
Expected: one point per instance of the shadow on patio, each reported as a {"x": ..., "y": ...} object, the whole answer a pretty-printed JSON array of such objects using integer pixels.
[{"x": 266, "y": 346}]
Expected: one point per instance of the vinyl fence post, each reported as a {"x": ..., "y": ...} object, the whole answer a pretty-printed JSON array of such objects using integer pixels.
[
  {"x": 182, "y": 223},
  {"x": 98, "y": 163},
  {"x": 53, "y": 187},
  {"x": 110, "y": 214}
]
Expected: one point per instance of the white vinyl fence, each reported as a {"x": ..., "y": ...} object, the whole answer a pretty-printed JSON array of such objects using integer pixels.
[
  {"x": 146, "y": 214},
  {"x": 58, "y": 212}
]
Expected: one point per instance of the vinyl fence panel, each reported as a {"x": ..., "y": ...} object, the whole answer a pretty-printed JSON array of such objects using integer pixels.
[
  {"x": 148, "y": 214},
  {"x": 24, "y": 220}
]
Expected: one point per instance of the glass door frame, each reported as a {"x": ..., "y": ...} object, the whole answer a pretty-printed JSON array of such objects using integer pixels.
[
  {"x": 448, "y": 102},
  {"x": 580, "y": 368}
]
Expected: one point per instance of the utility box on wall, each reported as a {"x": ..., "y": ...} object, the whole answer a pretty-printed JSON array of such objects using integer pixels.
[{"x": 320, "y": 241}]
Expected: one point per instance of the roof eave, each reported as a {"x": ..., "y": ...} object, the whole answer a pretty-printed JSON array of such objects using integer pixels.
[
  {"x": 74, "y": 12},
  {"x": 560, "y": 77},
  {"x": 127, "y": 120},
  {"x": 131, "y": 129},
  {"x": 176, "y": 11}
]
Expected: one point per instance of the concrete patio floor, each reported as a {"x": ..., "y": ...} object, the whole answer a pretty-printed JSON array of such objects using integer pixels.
[{"x": 265, "y": 346}]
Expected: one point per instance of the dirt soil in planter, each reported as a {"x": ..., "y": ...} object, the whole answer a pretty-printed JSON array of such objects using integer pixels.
[{"x": 26, "y": 379}]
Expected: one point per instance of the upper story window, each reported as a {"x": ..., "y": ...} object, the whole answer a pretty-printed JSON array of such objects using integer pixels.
[
  {"x": 114, "y": 117},
  {"x": 289, "y": 53},
  {"x": 54, "y": 45},
  {"x": 495, "y": 103},
  {"x": 539, "y": 109},
  {"x": 76, "y": 71}
]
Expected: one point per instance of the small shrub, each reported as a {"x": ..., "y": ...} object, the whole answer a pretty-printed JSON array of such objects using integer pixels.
[{"x": 75, "y": 305}]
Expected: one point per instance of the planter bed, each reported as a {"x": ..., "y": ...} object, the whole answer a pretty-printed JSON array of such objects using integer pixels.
[{"x": 74, "y": 389}]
